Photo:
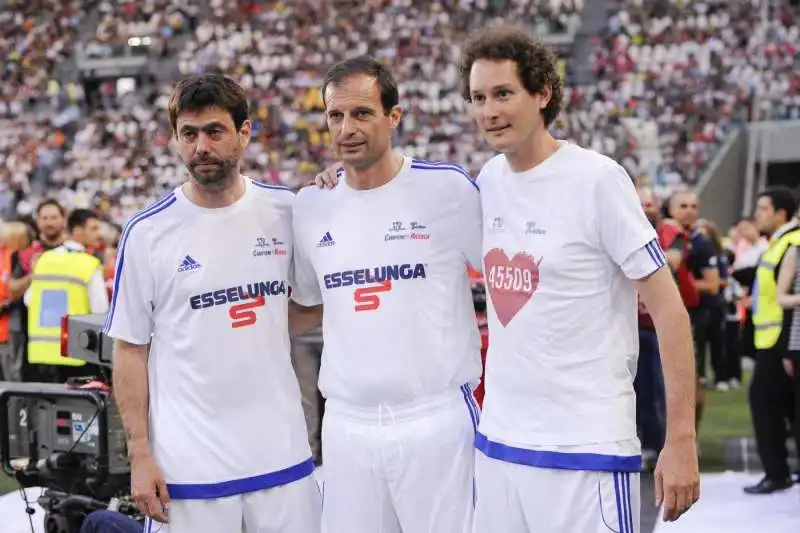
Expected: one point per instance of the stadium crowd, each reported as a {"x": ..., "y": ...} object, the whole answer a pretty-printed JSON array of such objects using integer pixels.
[{"x": 673, "y": 79}]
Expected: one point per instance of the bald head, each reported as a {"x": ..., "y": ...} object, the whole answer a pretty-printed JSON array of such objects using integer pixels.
[
  {"x": 651, "y": 204},
  {"x": 685, "y": 208}
]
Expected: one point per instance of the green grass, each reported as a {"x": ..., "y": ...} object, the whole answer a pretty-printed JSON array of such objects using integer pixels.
[
  {"x": 7, "y": 484},
  {"x": 726, "y": 416}
]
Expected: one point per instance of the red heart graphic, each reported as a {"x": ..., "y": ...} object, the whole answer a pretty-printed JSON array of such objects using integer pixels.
[{"x": 511, "y": 283}]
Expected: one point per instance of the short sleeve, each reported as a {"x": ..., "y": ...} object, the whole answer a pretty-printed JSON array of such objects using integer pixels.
[
  {"x": 625, "y": 234},
  {"x": 130, "y": 317},
  {"x": 470, "y": 228},
  {"x": 305, "y": 286},
  {"x": 702, "y": 255}
]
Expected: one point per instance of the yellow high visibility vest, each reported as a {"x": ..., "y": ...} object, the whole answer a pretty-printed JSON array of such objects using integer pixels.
[
  {"x": 59, "y": 286},
  {"x": 767, "y": 312}
]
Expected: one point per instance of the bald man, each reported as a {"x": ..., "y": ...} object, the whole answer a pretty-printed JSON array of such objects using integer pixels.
[{"x": 684, "y": 207}]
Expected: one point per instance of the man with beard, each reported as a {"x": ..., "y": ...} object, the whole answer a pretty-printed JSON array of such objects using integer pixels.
[
  {"x": 50, "y": 221},
  {"x": 202, "y": 371}
]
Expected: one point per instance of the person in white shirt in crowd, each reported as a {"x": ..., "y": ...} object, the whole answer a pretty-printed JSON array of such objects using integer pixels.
[
  {"x": 386, "y": 253},
  {"x": 202, "y": 372},
  {"x": 566, "y": 249}
]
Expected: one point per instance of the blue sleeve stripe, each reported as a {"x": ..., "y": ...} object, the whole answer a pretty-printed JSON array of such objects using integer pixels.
[
  {"x": 415, "y": 164},
  {"x": 660, "y": 251},
  {"x": 620, "y": 521},
  {"x": 273, "y": 186},
  {"x": 656, "y": 254},
  {"x": 154, "y": 209}
]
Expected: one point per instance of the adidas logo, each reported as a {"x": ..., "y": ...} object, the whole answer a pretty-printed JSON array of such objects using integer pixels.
[
  {"x": 188, "y": 264},
  {"x": 326, "y": 240}
]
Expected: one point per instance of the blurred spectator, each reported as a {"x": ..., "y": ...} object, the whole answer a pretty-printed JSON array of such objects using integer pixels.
[
  {"x": 771, "y": 397},
  {"x": 65, "y": 280}
]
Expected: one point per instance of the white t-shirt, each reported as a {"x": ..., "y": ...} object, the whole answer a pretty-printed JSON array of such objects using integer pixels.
[
  {"x": 562, "y": 243},
  {"x": 224, "y": 400},
  {"x": 390, "y": 266}
]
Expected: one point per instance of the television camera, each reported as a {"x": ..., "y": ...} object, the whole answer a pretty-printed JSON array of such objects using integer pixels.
[{"x": 68, "y": 438}]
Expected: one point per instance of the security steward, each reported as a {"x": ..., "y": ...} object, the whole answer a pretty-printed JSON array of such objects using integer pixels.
[
  {"x": 771, "y": 396},
  {"x": 66, "y": 280}
]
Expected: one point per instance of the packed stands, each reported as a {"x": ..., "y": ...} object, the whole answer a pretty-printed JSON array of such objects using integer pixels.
[
  {"x": 672, "y": 80},
  {"x": 692, "y": 70}
]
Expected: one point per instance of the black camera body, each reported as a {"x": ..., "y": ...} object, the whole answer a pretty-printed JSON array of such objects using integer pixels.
[{"x": 69, "y": 438}]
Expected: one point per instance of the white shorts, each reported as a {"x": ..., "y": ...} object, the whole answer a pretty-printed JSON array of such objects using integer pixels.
[
  {"x": 291, "y": 508},
  {"x": 515, "y": 498},
  {"x": 402, "y": 469}
]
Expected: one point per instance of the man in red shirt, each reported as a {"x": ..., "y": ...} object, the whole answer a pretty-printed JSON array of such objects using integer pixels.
[{"x": 649, "y": 382}]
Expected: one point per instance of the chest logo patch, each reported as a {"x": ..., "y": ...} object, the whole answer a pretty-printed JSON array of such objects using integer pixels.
[{"x": 511, "y": 282}]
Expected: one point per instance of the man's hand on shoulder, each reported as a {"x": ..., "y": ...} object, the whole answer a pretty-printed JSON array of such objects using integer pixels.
[{"x": 327, "y": 179}]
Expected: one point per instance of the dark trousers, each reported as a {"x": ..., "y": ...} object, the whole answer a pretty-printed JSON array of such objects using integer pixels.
[
  {"x": 110, "y": 522},
  {"x": 651, "y": 412},
  {"x": 746, "y": 346},
  {"x": 733, "y": 352},
  {"x": 772, "y": 408},
  {"x": 707, "y": 325}
]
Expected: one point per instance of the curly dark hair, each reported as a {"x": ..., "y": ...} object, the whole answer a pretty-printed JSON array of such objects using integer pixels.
[{"x": 536, "y": 64}]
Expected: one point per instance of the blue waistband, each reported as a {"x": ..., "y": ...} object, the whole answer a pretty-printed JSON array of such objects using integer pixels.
[
  {"x": 559, "y": 460},
  {"x": 210, "y": 491}
]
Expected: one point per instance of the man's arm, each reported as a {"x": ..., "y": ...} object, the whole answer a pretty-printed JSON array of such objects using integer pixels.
[
  {"x": 629, "y": 239},
  {"x": 130, "y": 323},
  {"x": 679, "y": 458},
  {"x": 786, "y": 276},
  {"x": 710, "y": 282},
  {"x": 469, "y": 228},
  {"x": 20, "y": 280},
  {"x": 674, "y": 252},
  {"x": 303, "y": 319},
  {"x": 131, "y": 392},
  {"x": 706, "y": 263}
]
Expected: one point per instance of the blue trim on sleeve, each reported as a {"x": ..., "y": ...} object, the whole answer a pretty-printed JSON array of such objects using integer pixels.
[
  {"x": 144, "y": 214},
  {"x": 656, "y": 254},
  {"x": 419, "y": 164},
  {"x": 559, "y": 460},
  {"x": 211, "y": 491},
  {"x": 273, "y": 186}
]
